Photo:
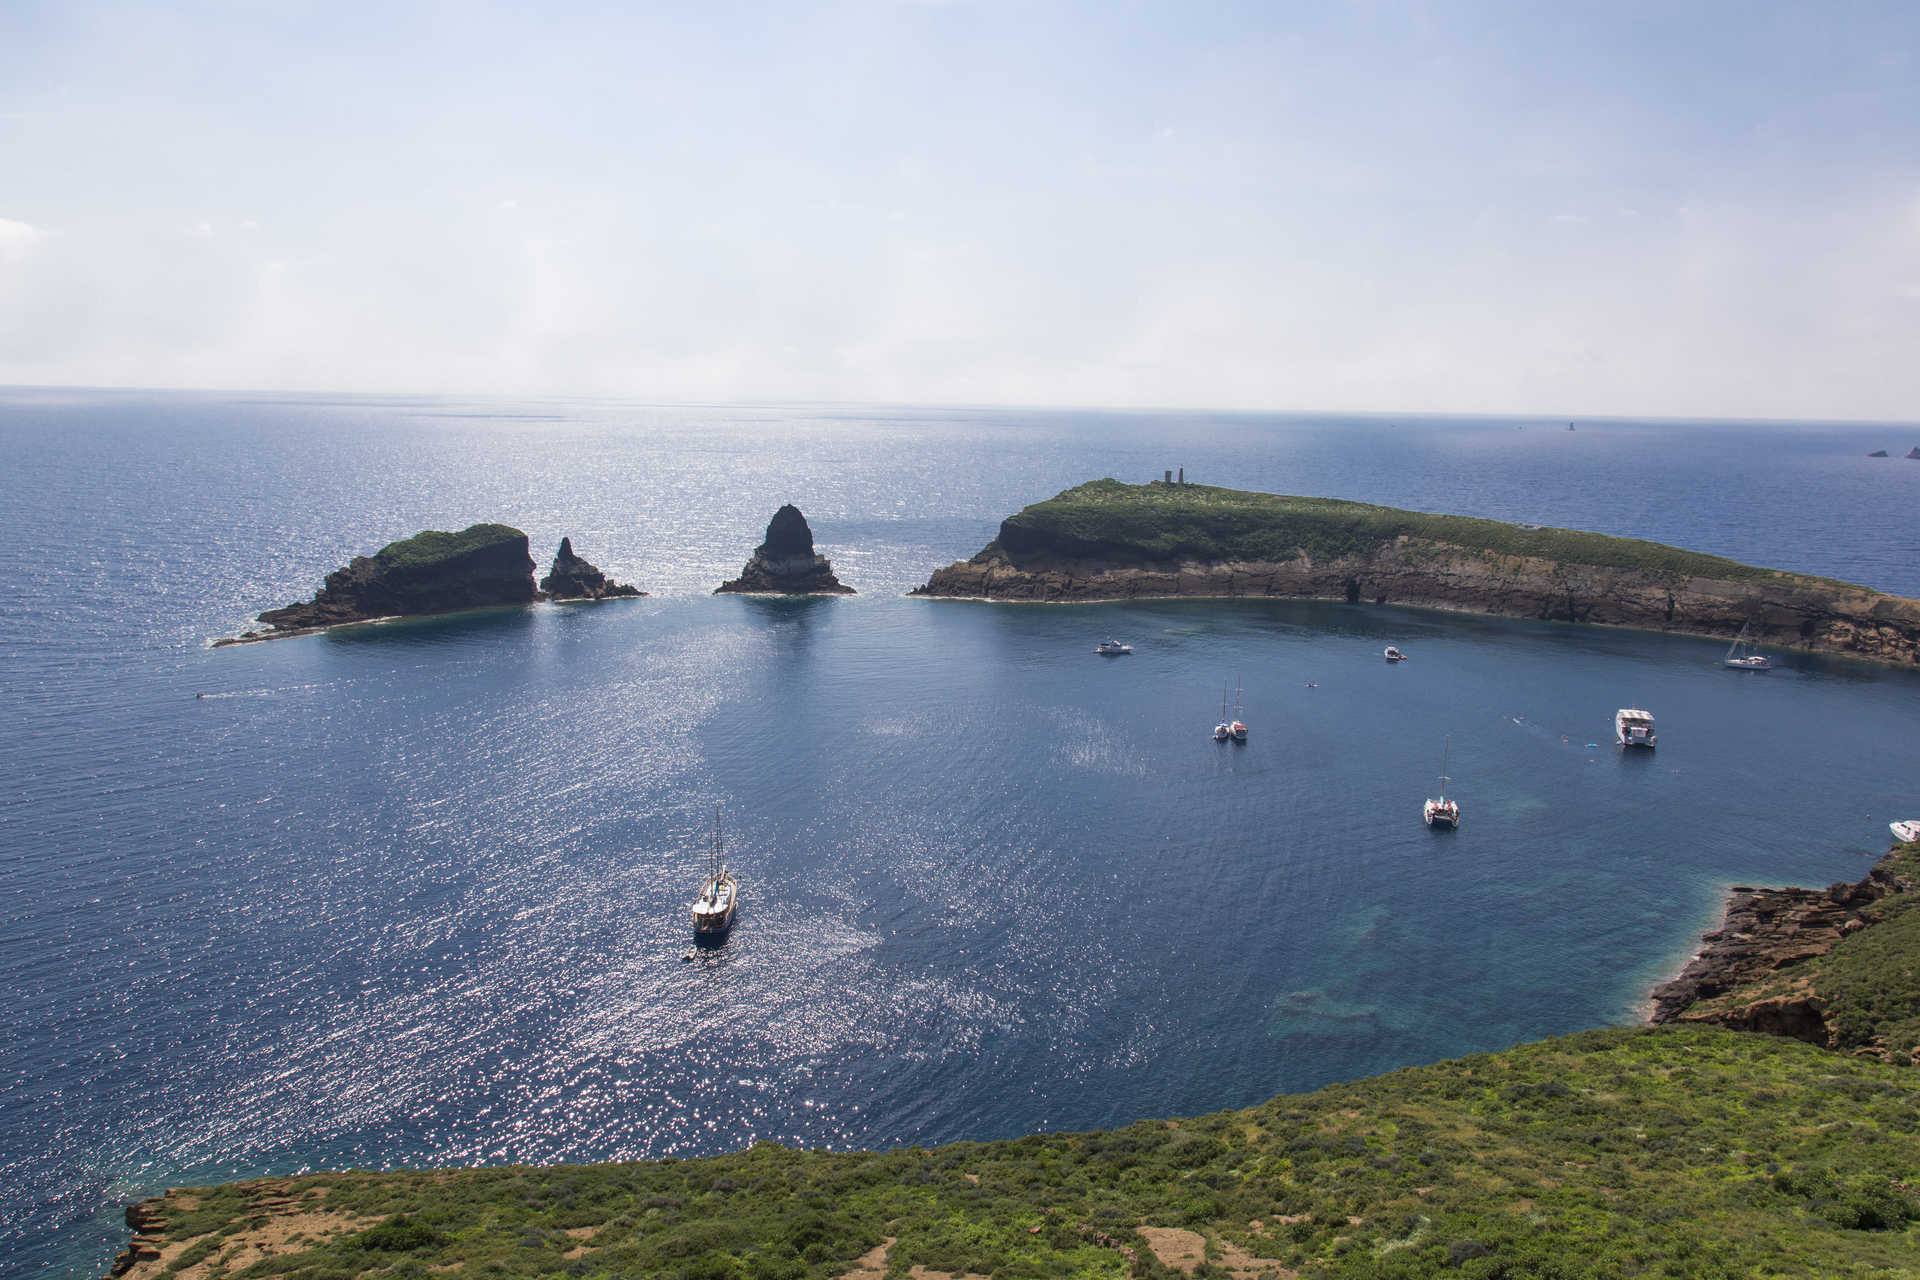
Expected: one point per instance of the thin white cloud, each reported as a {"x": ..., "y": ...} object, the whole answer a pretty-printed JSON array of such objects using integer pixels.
[{"x": 17, "y": 239}]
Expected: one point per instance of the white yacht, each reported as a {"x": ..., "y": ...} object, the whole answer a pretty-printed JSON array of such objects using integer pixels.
[
  {"x": 1906, "y": 832},
  {"x": 1394, "y": 654},
  {"x": 1634, "y": 728},
  {"x": 1112, "y": 648}
]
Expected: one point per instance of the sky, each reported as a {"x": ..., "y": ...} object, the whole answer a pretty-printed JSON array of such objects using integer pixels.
[{"x": 1694, "y": 209}]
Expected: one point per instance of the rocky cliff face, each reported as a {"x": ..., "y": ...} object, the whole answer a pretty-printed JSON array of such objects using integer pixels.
[
  {"x": 1765, "y": 937},
  {"x": 432, "y": 572},
  {"x": 1790, "y": 611},
  {"x": 572, "y": 578},
  {"x": 785, "y": 563}
]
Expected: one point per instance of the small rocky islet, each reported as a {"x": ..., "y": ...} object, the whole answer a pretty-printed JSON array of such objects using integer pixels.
[
  {"x": 482, "y": 566},
  {"x": 572, "y": 578},
  {"x": 785, "y": 563}
]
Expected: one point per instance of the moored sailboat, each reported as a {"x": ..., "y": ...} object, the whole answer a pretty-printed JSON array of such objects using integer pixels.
[
  {"x": 713, "y": 909},
  {"x": 1238, "y": 727},
  {"x": 1738, "y": 657}
]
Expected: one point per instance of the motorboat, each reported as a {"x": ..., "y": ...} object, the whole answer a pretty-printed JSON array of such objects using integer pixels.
[
  {"x": 713, "y": 909},
  {"x": 1112, "y": 648},
  {"x": 1442, "y": 812},
  {"x": 1394, "y": 654},
  {"x": 1906, "y": 832},
  {"x": 1740, "y": 658},
  {"x": 1633, "y": 727}
]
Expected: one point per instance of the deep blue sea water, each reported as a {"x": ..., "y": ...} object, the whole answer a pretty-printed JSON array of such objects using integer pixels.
[{"x": 416, "y": 894}]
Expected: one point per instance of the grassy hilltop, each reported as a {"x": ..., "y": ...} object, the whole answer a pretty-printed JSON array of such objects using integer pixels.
[
  {"x": 1162, "y": 523},
  {"x": 1666, "y": 1151}
]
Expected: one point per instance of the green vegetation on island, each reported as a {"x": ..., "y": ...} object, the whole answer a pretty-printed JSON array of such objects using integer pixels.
[
  {"x": 1170, "y": 523},
  {"x": 425, "y": 551}
]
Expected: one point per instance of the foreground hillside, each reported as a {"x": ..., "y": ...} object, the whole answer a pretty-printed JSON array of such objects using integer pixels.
[
  {"x": 1682, "y": 1151},
  {"x": 1106, "y": 540}
]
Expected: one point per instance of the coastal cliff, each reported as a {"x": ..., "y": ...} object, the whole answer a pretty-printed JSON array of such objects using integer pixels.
[
  {"x": 1796, "y": 962},
  {"x": 571, "y": 577},
  {"x": 785, "y": 563},
  {"x": 1106, "y": 540},
  {"x": 431, "y": 572}
]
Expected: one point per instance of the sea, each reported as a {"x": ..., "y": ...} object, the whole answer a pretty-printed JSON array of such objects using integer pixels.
[{"x": 416, "y": 894}]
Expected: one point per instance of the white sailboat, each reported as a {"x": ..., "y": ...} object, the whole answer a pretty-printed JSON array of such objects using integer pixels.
[
  {"x": 1238, "y": 728},
  {"x": 1223, "y": 730},
  {"x": 713, "y": 909},
  {"x": 1738, "y": 658},
  {"x": 1442, "y": 812}
]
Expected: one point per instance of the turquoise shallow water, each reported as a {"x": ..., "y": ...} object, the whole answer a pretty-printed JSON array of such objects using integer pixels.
[{"x": 416, "y": 894}]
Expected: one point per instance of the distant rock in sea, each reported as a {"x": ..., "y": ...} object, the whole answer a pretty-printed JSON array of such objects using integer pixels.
[
  {"x": 786, "y": 564},
  {"x": 572, "y": 578},
  {"x": 1878, "y": 453},
  {"x": 1914, "y": 452},
  {"x": 431, "y": 572}
]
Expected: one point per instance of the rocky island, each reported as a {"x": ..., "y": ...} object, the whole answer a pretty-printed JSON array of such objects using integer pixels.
[
  {"x": 785, "y": 563},
  {"x": 431, "y": 572},
  {"x": 1107, "y": 540},
  {"x": 573, "y": 578}
]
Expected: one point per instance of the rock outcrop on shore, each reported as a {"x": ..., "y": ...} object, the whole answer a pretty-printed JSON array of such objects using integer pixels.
[
  {"x": 1111, "y": 541},
  {"x": 573, "y": 578},
  {"x": 1758, "y": 970},
  {"x": 785, "y": 563},
  {"x": 431, "y": 572}
]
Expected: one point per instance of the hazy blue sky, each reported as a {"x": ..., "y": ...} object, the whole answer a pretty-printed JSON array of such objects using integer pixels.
[{"x": 1676, "y": 208}]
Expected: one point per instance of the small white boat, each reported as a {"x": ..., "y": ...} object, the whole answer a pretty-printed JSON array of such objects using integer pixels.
[
  {"x": 1740, "y": 659},
  {"x": 1633, "y": 727},
  {"x": 1394, "y": 655},
  {"x": 1442, "y": 812},
  {"x": 1237, "y": 727},
  {"x": 1112, "y": 648},
  {"x": 713, "y": 909},
  {"x": 1906, "y": 832},
  {"x": 1223, "y": 730}
]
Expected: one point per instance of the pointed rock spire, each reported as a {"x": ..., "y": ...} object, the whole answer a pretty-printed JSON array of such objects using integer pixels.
[
  {"x": 785, "y": 563},
  {"x": 572, "y": 578}
]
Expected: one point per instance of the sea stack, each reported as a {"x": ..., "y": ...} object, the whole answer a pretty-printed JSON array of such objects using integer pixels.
[
  {"x": 1914, "y": 452},
  {"x": 785, "y": 564},
  {"x": 572, "y": 578},
  {"x": 431, "y": 572},
  {"x": 1878, "y": 453}
]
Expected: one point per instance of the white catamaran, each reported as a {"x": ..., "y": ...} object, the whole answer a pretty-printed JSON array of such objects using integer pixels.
[
  {"x": 713, "y": 909},
  {"x": 1442, "y": 812}
]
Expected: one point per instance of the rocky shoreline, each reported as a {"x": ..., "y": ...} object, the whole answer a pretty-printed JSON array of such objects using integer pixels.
[
  {"x": 1767, "y": 934},
  {"x": 1172, "y": 542}
]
